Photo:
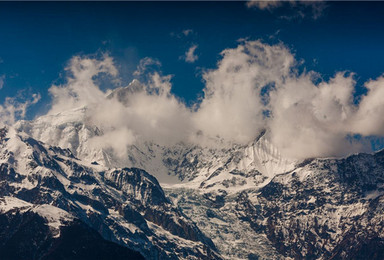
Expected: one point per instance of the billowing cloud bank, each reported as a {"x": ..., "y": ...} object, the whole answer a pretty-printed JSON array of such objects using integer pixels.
[{"x": 255, "y": 86}]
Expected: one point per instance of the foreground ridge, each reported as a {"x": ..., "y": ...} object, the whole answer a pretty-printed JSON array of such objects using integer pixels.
[{"x": 125, "y": 206}]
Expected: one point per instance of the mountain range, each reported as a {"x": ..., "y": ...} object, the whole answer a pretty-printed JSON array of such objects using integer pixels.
[{"x": 64, "y": 198}]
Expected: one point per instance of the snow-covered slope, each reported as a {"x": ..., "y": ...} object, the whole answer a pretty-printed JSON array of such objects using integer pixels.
[
  {"x": 232, "y": 169},
  {"x": 54, "y": 216}
]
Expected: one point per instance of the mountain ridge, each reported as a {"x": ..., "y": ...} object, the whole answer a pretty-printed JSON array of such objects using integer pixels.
[{"x": 247, "y": 199}]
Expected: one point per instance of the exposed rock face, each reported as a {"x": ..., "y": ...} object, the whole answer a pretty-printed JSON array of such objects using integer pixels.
[{"x": 315, "y": 211}]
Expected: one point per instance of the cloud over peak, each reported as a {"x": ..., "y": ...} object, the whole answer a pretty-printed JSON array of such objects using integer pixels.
[
  {"x": 254, "y": 86},
  {"x": 80, "y": 89}
]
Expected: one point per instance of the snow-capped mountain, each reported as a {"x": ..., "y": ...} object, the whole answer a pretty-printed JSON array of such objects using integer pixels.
[
  {"x": 239, "y": 202},
  {"x": 125, "y": 206},
  {"x": 241, "y": 166}
]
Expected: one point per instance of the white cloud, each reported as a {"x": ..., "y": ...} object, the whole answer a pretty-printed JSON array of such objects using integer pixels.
[
  {"x": 306, "y": 119},
  {"x": 116, "y": 139},
  {"x": 151, "y": 113},
  {"x": 232, "y": 108},
  {"x": 81, "y": 89},
  {"x": 369, "y": 119},
  {"x": 313, "y": 120},
  {"x": 190, "y": 55}
]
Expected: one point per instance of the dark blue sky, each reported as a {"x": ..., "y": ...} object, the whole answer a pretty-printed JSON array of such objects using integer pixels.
[{"x": 38, "y": 38}]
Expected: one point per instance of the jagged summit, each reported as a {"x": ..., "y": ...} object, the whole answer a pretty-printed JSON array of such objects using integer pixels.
[{"x": 123, "y": 94}]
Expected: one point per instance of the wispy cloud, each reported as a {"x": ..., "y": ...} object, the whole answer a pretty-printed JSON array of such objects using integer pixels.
[
  {"x": 145, "y": 64},
  {"x": 190, "y": 55},
  {"x": 264, "y": 5},
  {"x": 15, "y": 108},
  {"x": 298, "y": 9},
  {"x": 185, "y": 36},
  {"x": 187, "y": 32},
  {"x": 2, "y": 78}
]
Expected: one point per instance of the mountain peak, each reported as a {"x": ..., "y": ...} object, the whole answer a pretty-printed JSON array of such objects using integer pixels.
[{"x": 123, "y": 94}]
